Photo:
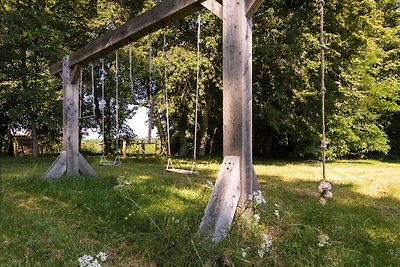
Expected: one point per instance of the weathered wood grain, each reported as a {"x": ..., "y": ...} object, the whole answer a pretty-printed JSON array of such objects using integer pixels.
[
  {"x": 58, "y": 167},
  {"x": 252, "y": 7},
  {"x": 214, "y": 6},
  {"x": 221, "y": 207}
]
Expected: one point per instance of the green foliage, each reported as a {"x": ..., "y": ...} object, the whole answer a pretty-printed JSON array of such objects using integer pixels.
[{"x": 361, "y": 75}]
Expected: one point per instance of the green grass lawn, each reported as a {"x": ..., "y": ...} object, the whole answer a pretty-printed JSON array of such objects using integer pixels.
[{"x": 139, "y": 215}]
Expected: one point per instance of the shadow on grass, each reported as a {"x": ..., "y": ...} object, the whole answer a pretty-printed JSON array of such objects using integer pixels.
[{"x": 138, "y": 211}]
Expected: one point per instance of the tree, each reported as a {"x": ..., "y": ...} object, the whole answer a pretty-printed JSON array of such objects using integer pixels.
[{"x": 286, "y": 89}]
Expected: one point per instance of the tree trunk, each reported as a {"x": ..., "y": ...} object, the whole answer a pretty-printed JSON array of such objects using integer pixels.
[
  {"x": 161, "y": 132},
  {"x": 268, "y": 142},
  {"x": 10, "y": 143},
  {"x": 204, "y": 130},
  {"x": 34, "y": 140},
  {"x": 183, "y": 145}
]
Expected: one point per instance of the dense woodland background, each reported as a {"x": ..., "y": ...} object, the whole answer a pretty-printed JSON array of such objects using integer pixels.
[{"x": 363, "y": 94}]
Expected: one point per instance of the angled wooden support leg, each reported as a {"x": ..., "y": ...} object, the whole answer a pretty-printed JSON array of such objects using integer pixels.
[
  {"x": 221, "y": 208},
  {"x": 84, "y": 167},
  {"x": 58, "y": 167}
]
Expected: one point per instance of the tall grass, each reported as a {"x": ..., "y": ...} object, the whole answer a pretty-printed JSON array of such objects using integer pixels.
[{"x": 142, "y": 216}]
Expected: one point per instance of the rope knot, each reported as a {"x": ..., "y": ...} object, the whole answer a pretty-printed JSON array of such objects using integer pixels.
[
  {"x": 325, "y": 191},
  {"x": 324, "y": 145},
  {"x": 323, "y": 90}
]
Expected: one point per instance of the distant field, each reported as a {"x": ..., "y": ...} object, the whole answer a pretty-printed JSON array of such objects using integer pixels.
[
  {"x": 94, "y": 146},
  {"x": 139, "y": 215}
]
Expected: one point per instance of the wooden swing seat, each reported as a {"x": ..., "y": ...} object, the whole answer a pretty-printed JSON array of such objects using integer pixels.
[
  {"x": 110, "y": 163},
  {"x": 182, "y": 171}
]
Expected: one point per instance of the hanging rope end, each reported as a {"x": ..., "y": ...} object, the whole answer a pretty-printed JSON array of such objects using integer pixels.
[{"x": 325, "y": 192}]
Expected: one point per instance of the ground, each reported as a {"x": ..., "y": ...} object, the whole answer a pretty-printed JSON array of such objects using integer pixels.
[{"x": 140, "y": 215}]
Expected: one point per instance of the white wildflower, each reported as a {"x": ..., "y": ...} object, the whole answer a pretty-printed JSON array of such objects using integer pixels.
[
  {"x": 94, "y": 263},
  {"x": 257, "y": 196},
  {"x": 244, "y": 253},
  {"x": 277, "y": 215},
  {"x": 323, "y": 240},
  {"x": 89, "y": 261},
  {"x": 256, "y": 218},
  {"x": 85, "y": 260},
  {"x": 266, "y": 242},
  {"x": 261, "y": 253},
  {"x": 209, "y": 185},
  {"x": 102, "y": 256}
]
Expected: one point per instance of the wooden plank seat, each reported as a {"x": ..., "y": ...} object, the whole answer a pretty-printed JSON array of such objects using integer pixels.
[
  {"x": 182, "y": 171},
  {"x": 110, "y": 163}
]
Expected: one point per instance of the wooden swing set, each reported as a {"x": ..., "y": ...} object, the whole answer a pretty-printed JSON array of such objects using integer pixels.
[{"x": 236, "y": 179}]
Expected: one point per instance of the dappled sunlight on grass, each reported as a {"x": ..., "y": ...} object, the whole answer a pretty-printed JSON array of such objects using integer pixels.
[{"x": 140, "y": 214}]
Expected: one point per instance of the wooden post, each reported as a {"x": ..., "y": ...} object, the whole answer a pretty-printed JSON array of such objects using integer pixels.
[
  {"x": 237, "y": 84},
  {"x": 237, "y": 118},
  {"x": 246, "y": 175},
  {"x": 234, "y": 29},
  {"x": 70, "y": 116},
  {"x": 70, "y": 162},
  {"x": 143, "y": 149},
  {"x": 124, "y": 149}
]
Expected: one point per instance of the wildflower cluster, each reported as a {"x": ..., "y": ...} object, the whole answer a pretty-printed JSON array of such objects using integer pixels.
[
  {"x": 276, "y": 212},
  {"x": 89, "y": 261},
  {"x": 325, "y": 191},
  {"x": 323, "y": 240},
  {"x": 255, "y": 200},
  {"x": 122, "y": 181},
  {"x": 257, "y": 197},
  {"x": 209, "y": 185},
  {"x": 266, "y": 244}
]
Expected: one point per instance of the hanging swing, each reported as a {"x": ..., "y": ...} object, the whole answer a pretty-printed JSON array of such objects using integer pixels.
[
  {"x": 170, "y": 168},
  {"x": 91, "y": 96},
  {"x": 103, "y": 160},
  {"x": 324, "y": 188}
]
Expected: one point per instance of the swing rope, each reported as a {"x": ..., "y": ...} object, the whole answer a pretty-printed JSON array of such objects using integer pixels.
[
  {"x": 103, "y": 106},
  {"x": 130, "y": 71},
  {"x": 93, "y": 104},
  {"x": 193, "y": 170},
  {"x": 151, "y": 96},
  {"x": 117, "y": 160},
  {"x": 116, "y": 110},
  {"x": 324, "y": 187},
  {"x": 197, "y": 92},
  {"x": 81, "y": 93},
  {"x": 169, "y": 164}
]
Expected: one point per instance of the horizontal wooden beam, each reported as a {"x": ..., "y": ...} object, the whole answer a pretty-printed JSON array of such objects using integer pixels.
[
  {"x": 252, "y": 7},
  {"x": 163, "y": 14},
  {"x": 214, "y": 6}
]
